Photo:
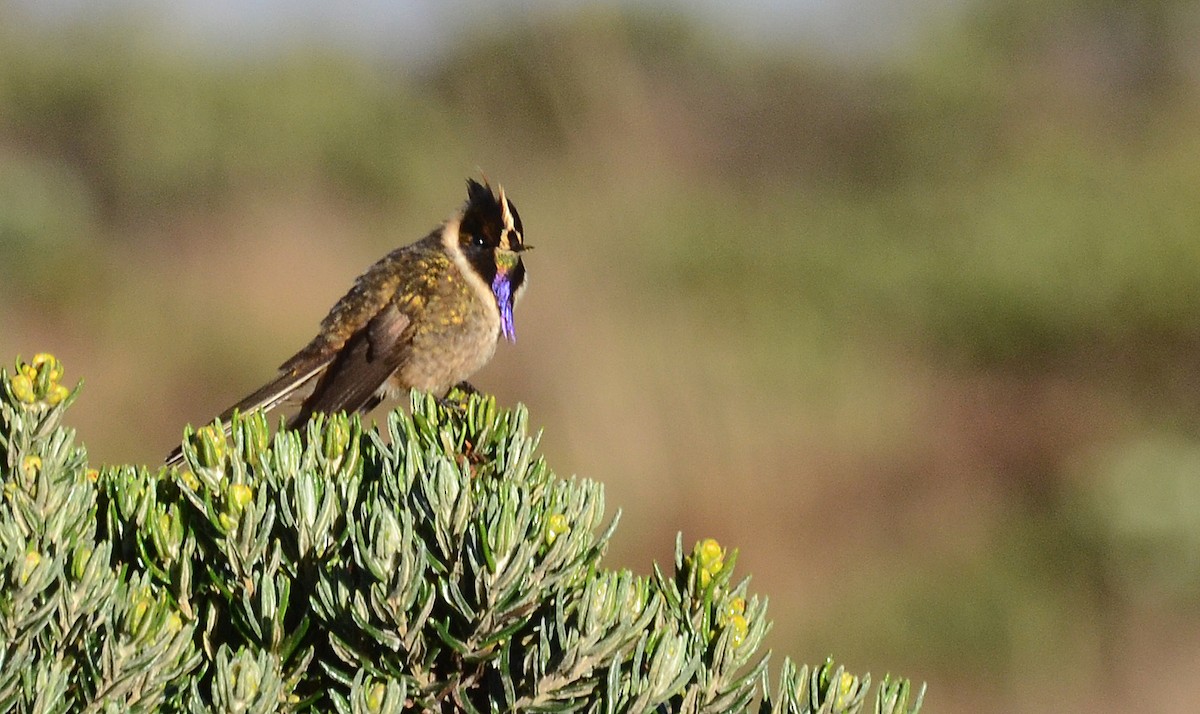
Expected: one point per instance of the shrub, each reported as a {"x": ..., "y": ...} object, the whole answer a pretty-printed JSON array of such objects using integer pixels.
[{"x": 439, "y": 566}]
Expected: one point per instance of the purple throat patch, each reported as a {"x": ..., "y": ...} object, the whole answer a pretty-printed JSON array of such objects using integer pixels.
[{"x": 502, "y": 288}]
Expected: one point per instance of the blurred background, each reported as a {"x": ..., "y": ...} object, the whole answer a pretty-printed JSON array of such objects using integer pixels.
[{"x": 899, "y": 299}]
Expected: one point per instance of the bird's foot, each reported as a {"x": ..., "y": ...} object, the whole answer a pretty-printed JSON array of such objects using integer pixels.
[
  {"x": 456, "y": 398},
  {"x": 465, "y": 387}
]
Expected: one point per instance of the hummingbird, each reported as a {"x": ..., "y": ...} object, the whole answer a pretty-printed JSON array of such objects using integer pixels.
[{"x": 426, "y": 316}]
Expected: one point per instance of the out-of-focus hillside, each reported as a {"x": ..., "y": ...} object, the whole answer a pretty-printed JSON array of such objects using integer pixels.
[{"x": 920, "y": 337}]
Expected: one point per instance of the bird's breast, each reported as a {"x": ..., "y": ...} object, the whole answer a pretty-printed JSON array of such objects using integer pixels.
[{"x": 454, "y": 335}]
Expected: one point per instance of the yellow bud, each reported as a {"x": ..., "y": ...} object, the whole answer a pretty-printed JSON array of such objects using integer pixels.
[
  {"x": 710, "y": 555},
  {"x": 22, "y": 388},
  {"x": 375, "y": 697},
  {"x": 174, "y": 623},
  {"x": 93, "y": 475},
  {"x": 56, "y": 394},
  {"x": 44, "y": 361},
  {"x": 239, "y": 496},
  {"x": 32, "y": 464},
  {"x": 735, "y": 606},
  {"x": 257, "y": 439},
  {"x": 846, "y": 687},
  {"x": 137, "y": 615},
  {"x": 32, "y": 560},
  {"x": 80, "y": 561},
  {"x": 210, "y": 445},
  {"x": 740, "y": 628},
  {"x": 336, "y": 437},
  {"x": 190, "y": 480},
  {"x": 556, "y": 525}
]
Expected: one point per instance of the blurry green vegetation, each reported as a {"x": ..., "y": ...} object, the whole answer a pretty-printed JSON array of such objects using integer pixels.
[
  {"x": 904, "y": 193},
  {"x": 961, "y": 285},
  {"x": 149, "y": 130}
]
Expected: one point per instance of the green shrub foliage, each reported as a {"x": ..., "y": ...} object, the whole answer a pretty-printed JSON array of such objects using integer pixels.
[{"x": 438, "y": 566}]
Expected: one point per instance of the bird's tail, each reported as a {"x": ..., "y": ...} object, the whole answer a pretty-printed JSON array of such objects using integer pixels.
[{"x": 266, "y": 398}]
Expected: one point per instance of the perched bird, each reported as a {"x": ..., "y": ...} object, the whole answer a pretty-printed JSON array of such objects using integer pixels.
[{"x": 426, "y": 316}]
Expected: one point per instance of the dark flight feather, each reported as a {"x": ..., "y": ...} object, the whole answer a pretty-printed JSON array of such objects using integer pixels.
[{"x": 353, "y": 380}]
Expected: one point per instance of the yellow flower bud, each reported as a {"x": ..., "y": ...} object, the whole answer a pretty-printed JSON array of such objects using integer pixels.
[
  {"x": 32, "y": 560},
  {"x": 375, "y": 697},
  {"x": 137, "y": 615},
  {"x": 708, "y": 559},
  {"x": 556, "y": 525},
  {"x": 80, "y": 561},
  {"x": 210, "y": 445},
  {"x": 22, "y": 388},
  {"x": 847, "y": 686},
  {"x": 740, "y": 628},
  {"x": 56, "y": 394},
  {"x": 733, "y": 607},
  {"x": 336, "y": 437},
  {"x": 32, "y": 464},
  {"x": 257, "y": 439},
  {"x": 240, "y": 495},
  {"x": 190, "y": 480},
  {"x": 710, "y": 555},
  {"x": 44, "y": 361}
]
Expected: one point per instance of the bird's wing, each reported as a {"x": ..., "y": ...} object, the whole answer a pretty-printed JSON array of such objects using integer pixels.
[{"x": 364, "y": 363}]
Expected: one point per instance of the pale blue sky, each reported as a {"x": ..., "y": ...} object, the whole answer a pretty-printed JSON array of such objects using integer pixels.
[{"x": 410, "y": 29}]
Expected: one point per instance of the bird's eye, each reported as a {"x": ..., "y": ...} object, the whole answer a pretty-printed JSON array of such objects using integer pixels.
[{"x": 478, "y": 241}]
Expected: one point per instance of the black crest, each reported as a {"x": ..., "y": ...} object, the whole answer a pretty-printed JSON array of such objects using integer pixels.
[{"x": 490, "y": 219}]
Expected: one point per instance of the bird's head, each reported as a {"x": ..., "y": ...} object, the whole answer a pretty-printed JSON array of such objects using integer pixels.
[{"x": 492, "y": 238}]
